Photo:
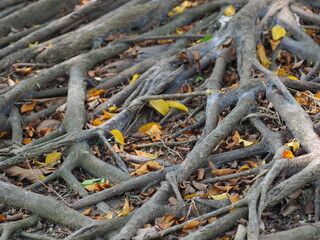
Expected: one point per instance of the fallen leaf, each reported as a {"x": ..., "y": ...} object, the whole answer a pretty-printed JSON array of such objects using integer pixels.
[
  {"x": 229, "y": 11},
  {"x": 32, "y": 175},
  {"x": 287, "y": 154},
  {"x": 278, "y": 32},
  {"x": 33, "y": 44},
  {"x": 28, "y": 107},
  {"x": 95, "y": 92},
  {"x": 263, "y": 56},
  {"x": 87, "y": 212},
  {"x": 274, "y": 44},
  {"x": 219, "y": 197},
  {"x": 293, "y": 77},
  {"x": 224, "y": 171},
  {"x": 160, "y": 105},
  {"x": 126, "y": 208},
  {"x": 118, "y": 137},
  {"x": 191, "y": 224},
  {"x": 243, "y": 168},
  {"x": 27, "y": 141},
  {"x": 107, "y": 115},
  {"x": 2, "y": 134},
  {"x": 178, "y": 105},
  {"x": 294, "y": 145},
  {"x": 144, "y": 154},
  {"x": 147, "y": 127},
  {"x": 53, "y": 157},
  {"x": 96, "y": 122},
  {"x": 134, "y": 78}
]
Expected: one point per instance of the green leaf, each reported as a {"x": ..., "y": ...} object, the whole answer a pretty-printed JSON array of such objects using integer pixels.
[
  {"x": 206, "y": 38},
  {"x": 198, "y": 79},
  {"x": 92, "y": 181}
]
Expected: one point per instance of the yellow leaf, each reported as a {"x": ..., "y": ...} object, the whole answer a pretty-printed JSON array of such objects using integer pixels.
[
  {"x": 178, "y": 105},
  {"x": 243, "y": 168},
  {"x": 117, "y": 136},
  {"x": 179, "y": 30},
  {"x": 278, "y": 32},
  {"x": 87, "y": 212},
  {"x": 274, "y": 44},
  {"x": 144, "y": 154},
  {"x": 53, "y": 157},
  {"x": 208, "y": 91},
  {"x": 229, "y": 11},
  {"x": 160, "y": 105},
  {"x": 245, "y": 143},
  {"x": 146, "y": 128},
  {"x": 293, "y": 77},
  {"x": 317, "y": 95},
  {"x": 191, "y": 196},
  {"x": 294, "y": 145},
  {"x": 112, "y": 109},
  {"x": 126, "y": 208},
  {"x": 263, "y": 56},
  {"x": 107, "y": 115},
  {"x": 134, "y": 78},
  {"x": 33, "y": 44},
  {"x": 219, "y": 197},
  {"x": 176, "y": 11},
  {"x": 96, "y": 122}
]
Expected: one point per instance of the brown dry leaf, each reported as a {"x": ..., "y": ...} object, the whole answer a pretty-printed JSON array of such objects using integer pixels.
[
  {"x": 192, "y": 224},
  {"x": 2, "y": 134},
  {"x": 87, "y": 212},
  {"x": 274, "y": 44},
  {"x": 201, "y": 172},
  {"x": 233, "y": 198},
  {"x": 224, "y": 171},
  {"x": 252, "y": 164},
  {"x": 263, "y": 56},
  {"x": 166, "y": 221},
  {"x": 144, "y": 154},
  {"x": 2, "y": 218},
  {"x": 94, "y": 187},
  {"x": 126, "y": 208},
  {"x": 27, "y": 140},
  {"x": 95, "y": 92},
  {"x": 27, "y": 107},
  {"x": 146, "y": 168},
  {"x": 32, "y": 175},
  {"x": 48, "y": 124},
  {"x": 211, "y": 220}
]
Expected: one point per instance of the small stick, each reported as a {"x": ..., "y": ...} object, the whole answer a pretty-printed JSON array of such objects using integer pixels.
[{"x": 119, "y": 160}]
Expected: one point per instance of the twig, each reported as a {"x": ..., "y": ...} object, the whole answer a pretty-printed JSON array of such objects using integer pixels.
[
  {"x": 119, "y": 160},
  {"x": 171, "y": 143},
  {"x": 144, "y": 38}
]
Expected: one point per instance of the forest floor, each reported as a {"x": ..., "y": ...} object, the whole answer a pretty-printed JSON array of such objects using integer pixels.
[{"x": 163, "y": 119}]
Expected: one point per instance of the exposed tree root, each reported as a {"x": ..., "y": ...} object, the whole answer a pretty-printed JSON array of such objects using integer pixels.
[{"x": 80, "y": 46}]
